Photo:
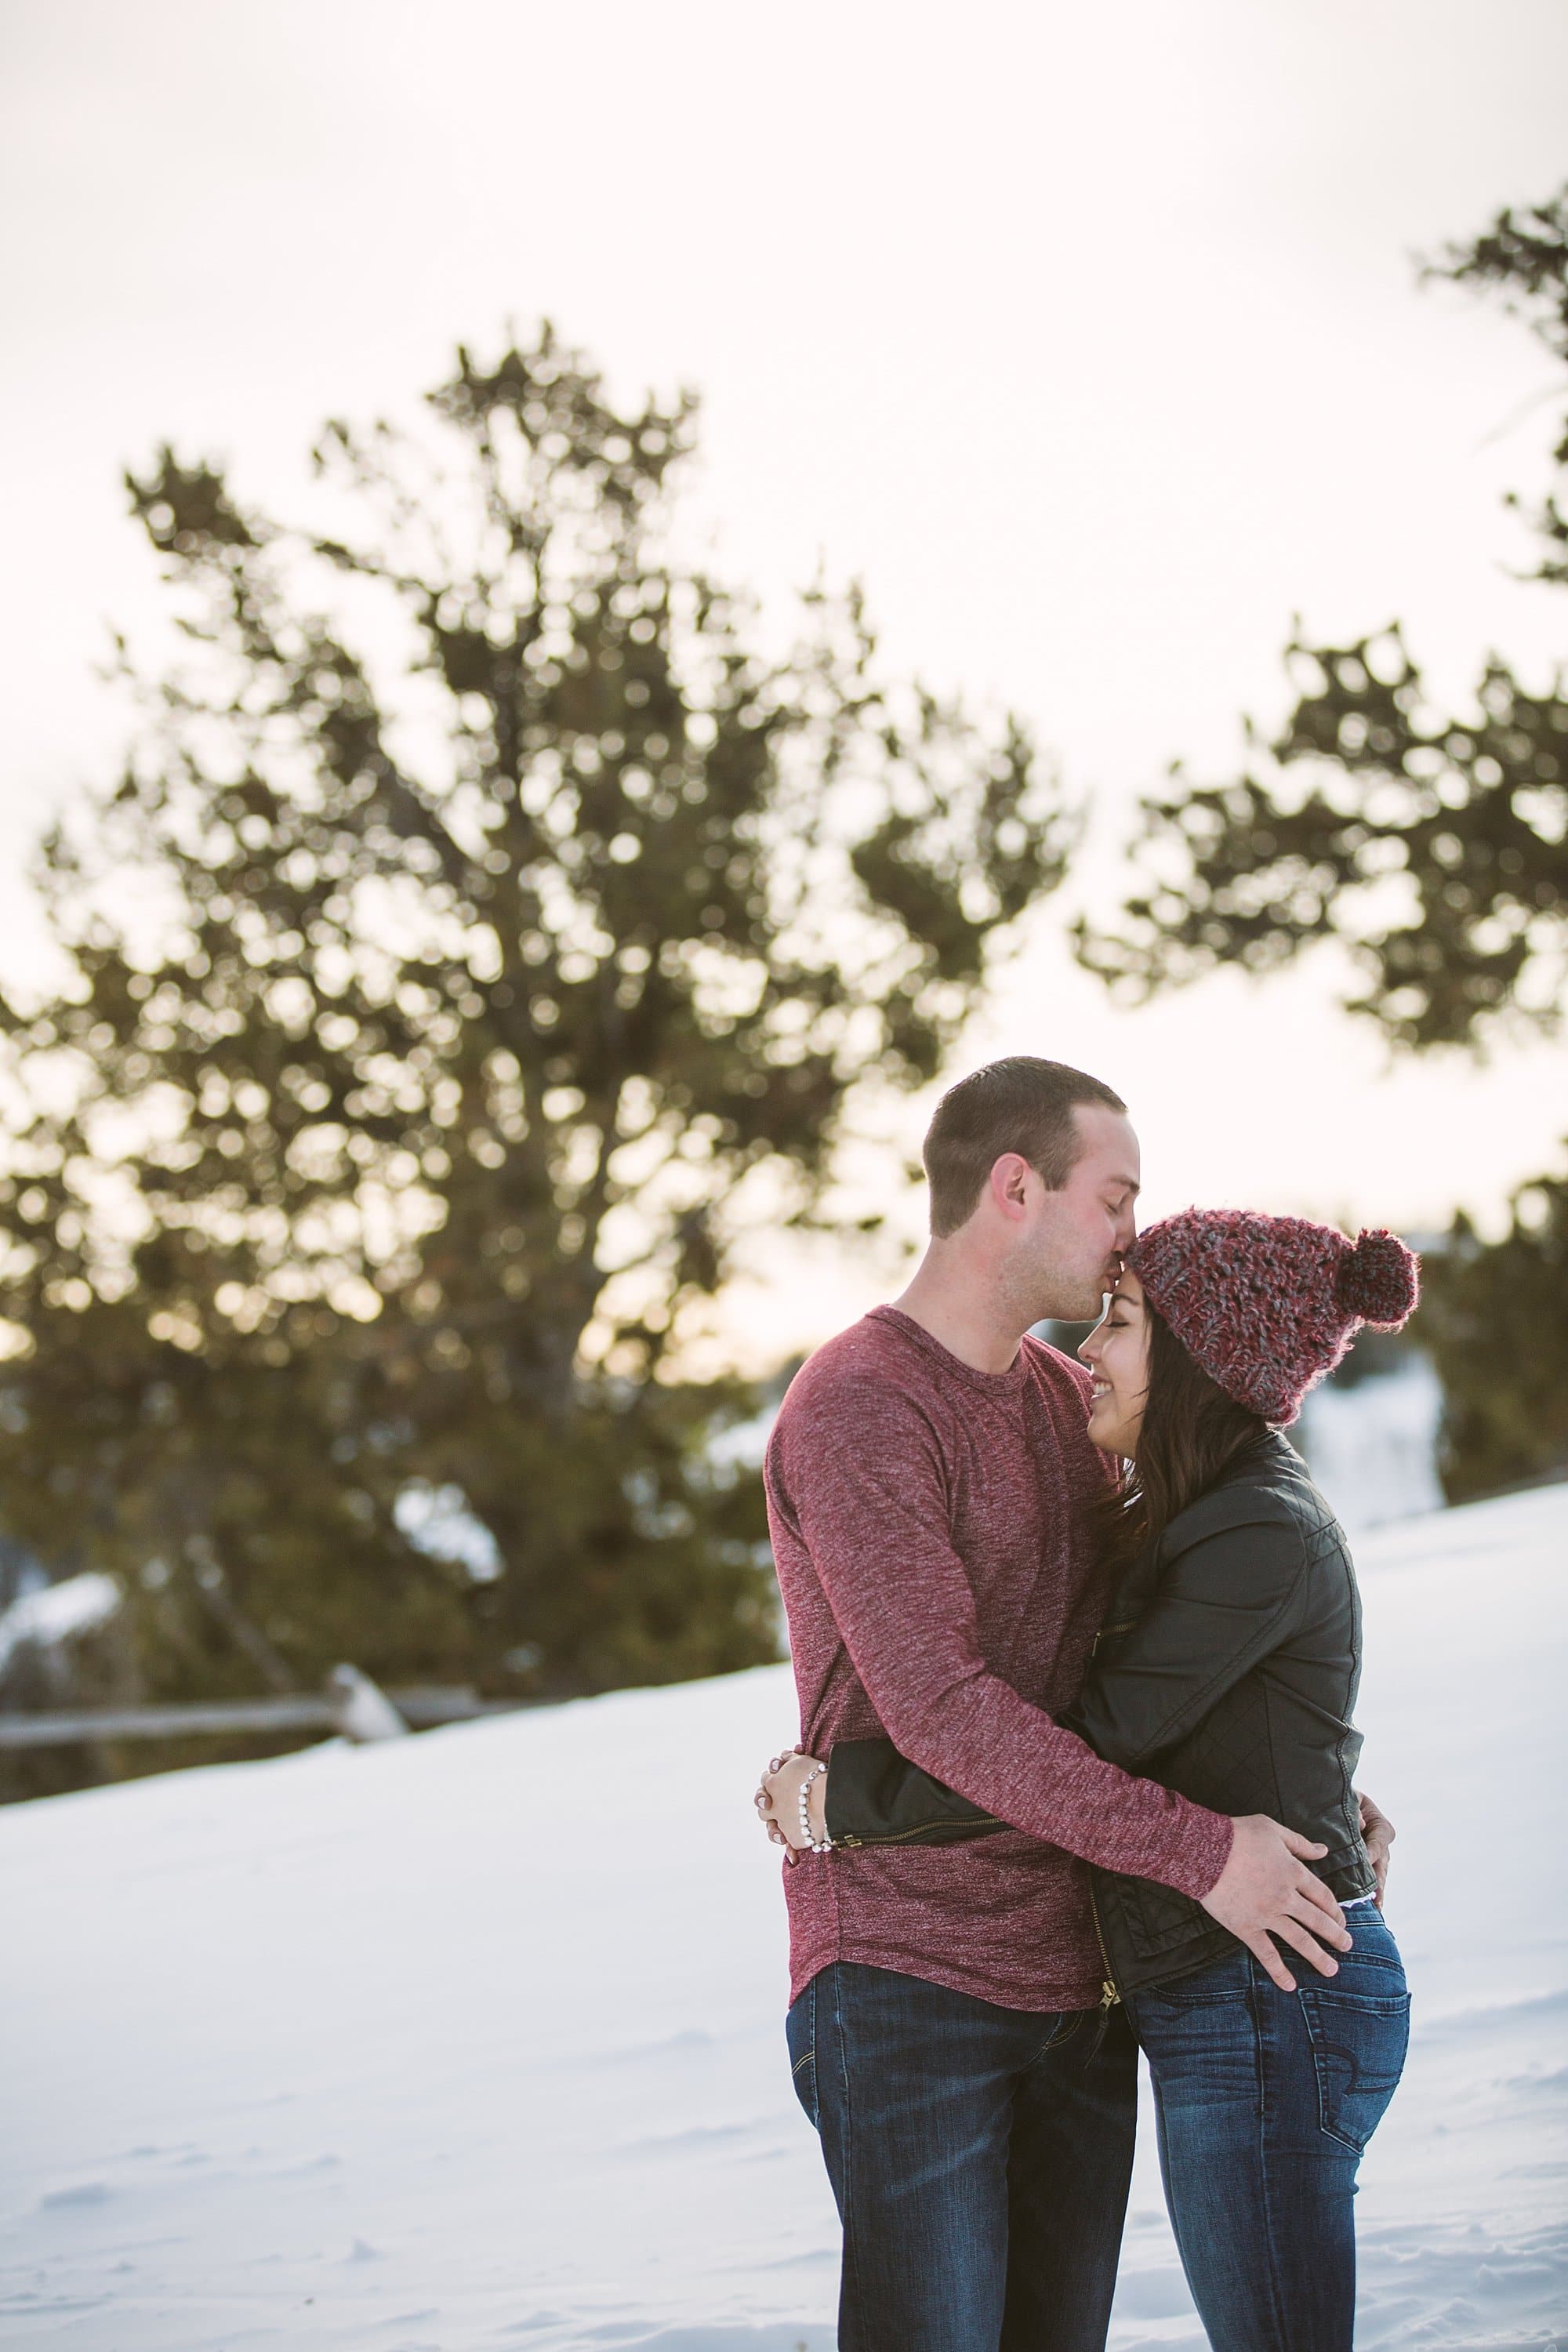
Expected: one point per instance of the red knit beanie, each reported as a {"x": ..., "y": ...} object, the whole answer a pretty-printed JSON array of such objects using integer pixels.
[{"x": 1269, "y": 1305}]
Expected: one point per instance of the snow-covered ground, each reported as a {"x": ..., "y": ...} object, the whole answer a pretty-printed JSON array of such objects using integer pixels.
[{"x": 436, "y": 2046}]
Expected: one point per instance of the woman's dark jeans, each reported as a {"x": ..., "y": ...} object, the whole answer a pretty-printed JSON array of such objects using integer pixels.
[
  {"x": 1265, "y": 2101},
  {"x": 979, "y": 2158}
]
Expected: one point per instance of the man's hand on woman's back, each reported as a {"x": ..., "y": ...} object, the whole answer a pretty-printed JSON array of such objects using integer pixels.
[{"x": 1265, "y": 1889}]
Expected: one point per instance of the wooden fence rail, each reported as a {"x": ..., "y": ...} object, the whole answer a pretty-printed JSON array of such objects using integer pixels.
[{"x": 351, "y": 1705}]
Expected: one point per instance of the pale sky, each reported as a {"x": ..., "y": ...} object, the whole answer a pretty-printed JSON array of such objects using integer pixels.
[{"x": 1090, "y": 339}]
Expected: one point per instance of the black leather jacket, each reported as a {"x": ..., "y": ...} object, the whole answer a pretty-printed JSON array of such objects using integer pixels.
[{"x": 1226, "y": 1670}]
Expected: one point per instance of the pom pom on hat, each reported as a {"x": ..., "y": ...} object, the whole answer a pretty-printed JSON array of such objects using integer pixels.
[{"x": 1379, "y": 1280}]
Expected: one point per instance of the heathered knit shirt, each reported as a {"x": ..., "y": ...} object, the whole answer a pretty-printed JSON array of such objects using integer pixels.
[{"x": 930, "y": 1530}]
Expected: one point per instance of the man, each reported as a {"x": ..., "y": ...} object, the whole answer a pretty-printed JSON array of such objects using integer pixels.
[{"x": 930, "y": 1493}]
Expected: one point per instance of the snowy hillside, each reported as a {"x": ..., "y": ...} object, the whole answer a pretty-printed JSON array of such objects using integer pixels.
[{"x": 427, "y": 2046}]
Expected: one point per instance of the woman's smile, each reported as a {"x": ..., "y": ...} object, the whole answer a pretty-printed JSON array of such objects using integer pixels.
[{"x": 1116, "y": 1354}]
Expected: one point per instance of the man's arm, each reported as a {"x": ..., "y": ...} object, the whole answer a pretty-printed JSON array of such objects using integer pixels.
[
  {"x": 1224, "y": 1606},
  {"x": 862, "y": 1477}
]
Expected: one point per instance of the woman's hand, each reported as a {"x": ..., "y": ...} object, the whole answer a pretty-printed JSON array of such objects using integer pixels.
[
  {"x": 1377, "y": 1836},
  {"x": 778, "y": 1801},
  {"x": 764, "y": 1801}
]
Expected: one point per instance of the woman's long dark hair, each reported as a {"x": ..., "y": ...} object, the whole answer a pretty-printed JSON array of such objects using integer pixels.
[{"x": 1191, "y": 1431}]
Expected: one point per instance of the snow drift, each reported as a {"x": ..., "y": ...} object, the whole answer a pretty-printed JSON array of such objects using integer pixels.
[{"x": 439, "y": 2045}]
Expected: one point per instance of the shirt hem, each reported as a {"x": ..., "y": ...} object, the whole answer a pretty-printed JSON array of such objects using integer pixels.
[{"x": 1034, "y": 1999}]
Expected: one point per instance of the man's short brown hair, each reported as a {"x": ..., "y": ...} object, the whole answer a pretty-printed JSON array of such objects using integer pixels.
[{"x": 1021, "y": 1104}]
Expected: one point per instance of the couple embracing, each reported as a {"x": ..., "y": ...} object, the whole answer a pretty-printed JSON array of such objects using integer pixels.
[{"x": 1077, "y": 1652}]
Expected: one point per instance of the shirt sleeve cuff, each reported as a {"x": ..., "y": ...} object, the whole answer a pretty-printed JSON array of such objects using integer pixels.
[{"x": 1198, "y": 1862}]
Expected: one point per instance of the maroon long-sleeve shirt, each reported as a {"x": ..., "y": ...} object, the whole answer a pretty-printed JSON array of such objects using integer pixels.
[{"x": 932, "y": 1535}]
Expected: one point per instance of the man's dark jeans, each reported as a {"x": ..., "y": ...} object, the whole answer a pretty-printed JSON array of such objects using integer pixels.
[
  {"x": 979, "y": 2158},
  {"x": 1264, "y": 2101}
]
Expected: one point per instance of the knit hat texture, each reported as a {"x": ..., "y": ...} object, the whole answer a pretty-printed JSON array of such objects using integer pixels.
[{"x": 1269, "y": 1305}]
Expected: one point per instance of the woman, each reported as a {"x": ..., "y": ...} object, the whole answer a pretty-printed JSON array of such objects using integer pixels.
[{"x": 1227, "y": 1670}]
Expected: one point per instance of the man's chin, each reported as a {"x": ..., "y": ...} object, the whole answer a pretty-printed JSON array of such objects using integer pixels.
[
  {"x": 1086, "y": 1308},
  {"x": 1085, "y": 1305}
]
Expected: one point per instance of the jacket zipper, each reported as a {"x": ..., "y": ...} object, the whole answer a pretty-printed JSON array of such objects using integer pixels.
[
  {"x": 897, "y": 1837},
  {"x": 1109, "y": 1998}
]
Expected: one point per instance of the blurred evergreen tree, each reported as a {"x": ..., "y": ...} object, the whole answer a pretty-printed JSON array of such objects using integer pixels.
[
  {"x": 1436, "y": 849},
  {"x": 485, "y": 932},
  {"x": 1495, "y": 1315}
]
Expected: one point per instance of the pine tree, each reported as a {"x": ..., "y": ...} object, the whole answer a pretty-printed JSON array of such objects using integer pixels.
[
  {"x": 1369, "y": 791},
  {"x": 1370, "y": 784},
  {"x": 485, "y": 932},
  {"x": 1495, "y": 1314}
]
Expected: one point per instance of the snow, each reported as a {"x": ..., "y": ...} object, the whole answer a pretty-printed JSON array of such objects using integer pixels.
[
  {"x": 55, "y": 1612},
  {"x": 438, "y": 1520},
  {"x": 434, "y": 2044}
]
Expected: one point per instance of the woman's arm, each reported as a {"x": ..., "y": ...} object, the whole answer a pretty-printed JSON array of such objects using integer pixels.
[
  {"x": 867, "y": 1795},
  {"x": 876, "y": 1797}
]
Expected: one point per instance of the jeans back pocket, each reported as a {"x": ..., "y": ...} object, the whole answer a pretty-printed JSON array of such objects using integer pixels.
[{"x": 1359, "y": 2044}]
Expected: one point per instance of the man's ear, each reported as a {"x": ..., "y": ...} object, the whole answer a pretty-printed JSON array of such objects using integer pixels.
[{"x": 1010, "y": 1178}]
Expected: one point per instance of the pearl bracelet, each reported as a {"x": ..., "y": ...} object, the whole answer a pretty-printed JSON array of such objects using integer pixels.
[{"x": 818, "y": 1845}]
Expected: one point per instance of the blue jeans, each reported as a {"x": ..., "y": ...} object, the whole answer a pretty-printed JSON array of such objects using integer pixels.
[
  {"x": 1265, "y": 2101},
  {"x": 979, "y": 2158}
]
